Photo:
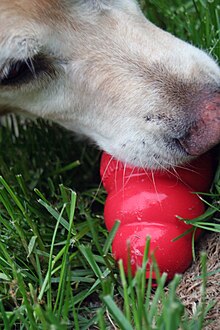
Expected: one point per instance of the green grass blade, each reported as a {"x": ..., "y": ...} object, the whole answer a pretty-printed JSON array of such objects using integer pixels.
[{"x": 117, "y": 314}]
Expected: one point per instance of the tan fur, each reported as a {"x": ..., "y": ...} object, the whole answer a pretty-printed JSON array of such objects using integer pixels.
[{"x": 109, "y": 74}]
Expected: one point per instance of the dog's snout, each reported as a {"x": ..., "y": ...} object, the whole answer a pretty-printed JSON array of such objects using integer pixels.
[{"x": 205, "y": 132}]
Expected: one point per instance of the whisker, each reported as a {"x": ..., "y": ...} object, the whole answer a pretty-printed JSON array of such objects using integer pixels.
[
  {"x": 181, "y": 167},
  {"x": 175, "y": 174},
  {"x": 129, "y": 177},
  {"x": 116, "y": 170},
  {"x": 152, "y": 178},
  {"x": 123, "y": 178},
  {"x": 30, "y": 65},
  {"x": 101, "y": 181},
  {"x": 155, "y": 187}
]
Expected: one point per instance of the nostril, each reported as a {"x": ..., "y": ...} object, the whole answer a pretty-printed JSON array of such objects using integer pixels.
[{"x": 205, "y": 132}]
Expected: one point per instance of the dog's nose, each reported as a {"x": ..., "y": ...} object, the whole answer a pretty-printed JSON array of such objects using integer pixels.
[{"x": 205, "y": 132}]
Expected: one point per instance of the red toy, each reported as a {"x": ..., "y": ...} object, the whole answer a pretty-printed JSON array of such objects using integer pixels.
[{"x": 147, "y": 204}]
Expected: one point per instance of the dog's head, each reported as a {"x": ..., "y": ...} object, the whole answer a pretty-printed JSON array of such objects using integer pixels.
[{"x": 101, "y": 69}]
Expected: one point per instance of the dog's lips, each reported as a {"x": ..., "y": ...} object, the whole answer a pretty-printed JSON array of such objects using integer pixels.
[{"x": 205, "y": 133}]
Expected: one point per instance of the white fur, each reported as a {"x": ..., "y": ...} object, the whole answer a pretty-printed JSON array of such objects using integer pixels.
[{"x": 104, "y": 53}]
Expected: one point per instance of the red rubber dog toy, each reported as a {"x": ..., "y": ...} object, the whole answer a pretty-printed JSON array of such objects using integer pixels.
[{"x": 147, "y": 204}]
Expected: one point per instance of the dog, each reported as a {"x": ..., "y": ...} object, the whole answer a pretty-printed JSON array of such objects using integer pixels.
[{"x": 100, "y": 69}]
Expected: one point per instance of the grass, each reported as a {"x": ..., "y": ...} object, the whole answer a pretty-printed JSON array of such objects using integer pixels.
[
  {"x": 196, "y": 21},
  {"x": 56, "y": 268}
]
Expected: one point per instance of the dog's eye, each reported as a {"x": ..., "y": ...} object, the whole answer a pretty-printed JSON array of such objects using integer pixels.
[
  {"x": 24, "y": 71},
  {"x": 14, "y": 72}
]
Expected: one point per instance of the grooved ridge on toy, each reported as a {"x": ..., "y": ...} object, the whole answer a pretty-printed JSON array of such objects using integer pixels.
[{"x": 147, "y": 204}]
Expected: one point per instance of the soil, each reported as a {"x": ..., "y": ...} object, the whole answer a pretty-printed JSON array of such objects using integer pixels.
[{"x": 189, "y": 290}]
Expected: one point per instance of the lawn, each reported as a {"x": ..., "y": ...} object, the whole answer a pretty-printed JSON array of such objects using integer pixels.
[{"x": 56, "y": 267}]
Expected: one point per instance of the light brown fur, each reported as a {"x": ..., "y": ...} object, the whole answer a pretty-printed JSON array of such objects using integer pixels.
[{"x": 100, "y": 69}]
